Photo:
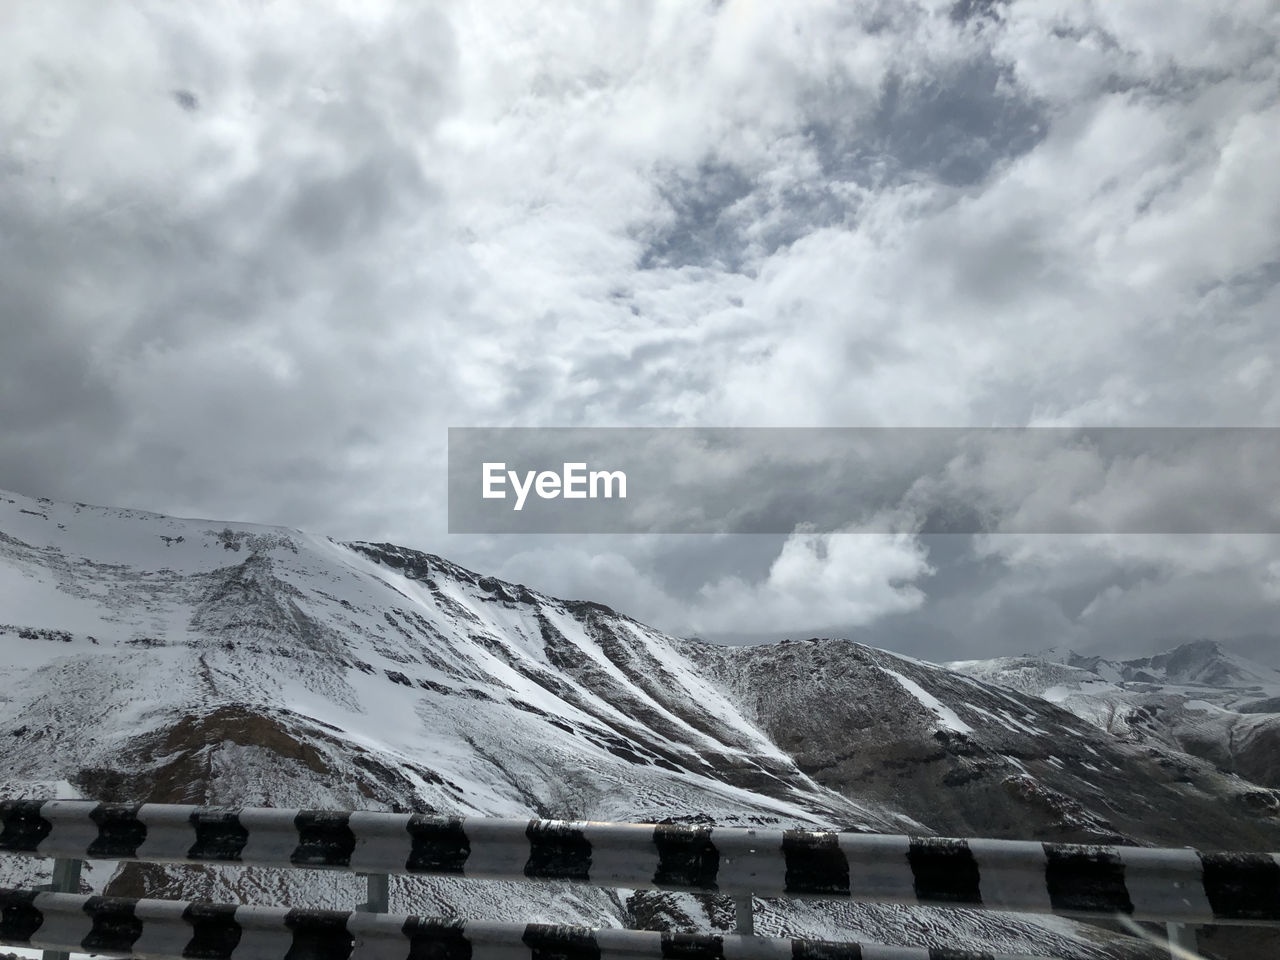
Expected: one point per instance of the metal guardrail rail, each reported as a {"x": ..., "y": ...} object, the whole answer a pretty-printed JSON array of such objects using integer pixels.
[
  {"x": 166, "y": 929},
  {"x": 1172, "y": 885}
]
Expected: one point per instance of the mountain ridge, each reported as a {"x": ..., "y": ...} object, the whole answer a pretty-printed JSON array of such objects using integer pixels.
[
  {"x": 1198, "y": 697},
  {"x": 167, "y": 660}
]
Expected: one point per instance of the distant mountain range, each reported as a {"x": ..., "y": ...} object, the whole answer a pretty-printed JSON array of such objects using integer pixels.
[
  {"x": 1197, "y": 698},
  {"x": 150, "y": 658}
]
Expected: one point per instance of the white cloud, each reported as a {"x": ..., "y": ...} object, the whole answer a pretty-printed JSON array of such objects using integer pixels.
[
  {"x": 816, "y": 582},
  {"x": 267, "y": 253}
]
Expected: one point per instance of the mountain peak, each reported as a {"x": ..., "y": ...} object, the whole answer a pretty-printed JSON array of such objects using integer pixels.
[
  {"x": 157, "y": 659},
  {"x": 1205, "y": 662}
]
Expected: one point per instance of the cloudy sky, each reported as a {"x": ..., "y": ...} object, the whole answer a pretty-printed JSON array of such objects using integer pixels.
[{"x": 257, "y": 256}]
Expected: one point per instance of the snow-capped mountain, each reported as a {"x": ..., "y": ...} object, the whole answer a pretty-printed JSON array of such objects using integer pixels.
[
  {"x": 1198, "y": 698},
  {"x": 149, "y": 658},
  {"x": 1203, "y": 663},
  {"x": 187, "y": 662}
]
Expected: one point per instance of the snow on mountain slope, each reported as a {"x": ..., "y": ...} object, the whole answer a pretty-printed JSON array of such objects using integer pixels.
[
  {"x": 969, "y": 757},
  {"x": 1197, "y": 698},
  {"x": 199, "y": 655},
  {"x": 152, "y": 658},
  {"x": 1204, "y": 663}
]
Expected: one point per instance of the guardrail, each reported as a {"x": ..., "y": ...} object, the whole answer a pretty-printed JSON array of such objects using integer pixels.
[
  {"x": 1176, "y": 886},
  {"x": 162, "y": 929},
  {"x": 1181, "y": 885}
]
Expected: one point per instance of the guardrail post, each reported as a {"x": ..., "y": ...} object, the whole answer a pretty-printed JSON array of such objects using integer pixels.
[
  {"x": 379, "y": 893},
  {"x": 744, "y": 908},
  {"x": 66, "y": 879},
  {"x": 1181, "y": 935}
]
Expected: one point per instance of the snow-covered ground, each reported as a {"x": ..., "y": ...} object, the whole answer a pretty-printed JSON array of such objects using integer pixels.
[
  {"x": 153, "y": 658},
  {"x": 1199, "y": 698},
  {"x": 123, "y": 624}
]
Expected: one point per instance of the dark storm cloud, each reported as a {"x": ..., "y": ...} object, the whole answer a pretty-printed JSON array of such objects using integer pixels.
[
  {"x": 189, "y": 299},
  {"x": 981, "y": 604},
  {"x": 255, "y": 259}
]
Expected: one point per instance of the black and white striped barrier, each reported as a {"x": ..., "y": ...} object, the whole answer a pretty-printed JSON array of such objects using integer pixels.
[
  {"x": 1182, "y": 886},
  {"x": 168, "y": 930}
]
